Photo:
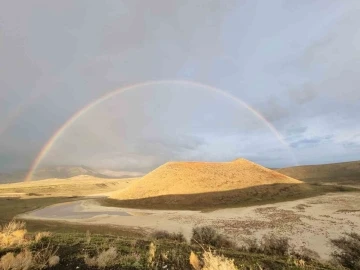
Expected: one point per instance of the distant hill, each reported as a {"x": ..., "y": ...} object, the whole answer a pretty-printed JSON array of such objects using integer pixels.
[
  {"x": 63, "y": 172},
  {"x": 342, "y": 173}
]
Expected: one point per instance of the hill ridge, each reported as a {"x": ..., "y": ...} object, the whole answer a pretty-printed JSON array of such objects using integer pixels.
[{"x": 192, "y": 177}]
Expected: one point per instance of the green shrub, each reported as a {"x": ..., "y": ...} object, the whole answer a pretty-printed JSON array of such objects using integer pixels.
[
  {"x": 178, "y": 237},
  {"x": 208, "y": 236},
  {"x": 348, "y": 250},
  {"x": 273, "y": 245},
  {"x": 251, "y": 245}
]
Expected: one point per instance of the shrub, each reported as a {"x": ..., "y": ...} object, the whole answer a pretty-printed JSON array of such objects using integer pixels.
[
  {"x": 211, "y": 261},
  {"x": 175, "y": 257},
  {"x": 348, "y": 250},
  {"x": 179, "y": 237},
  {"x": 45, "y": 257},
  {"x": 103, "y": 259},
  {"x": 273, "y": 245},
  {"x": 41, "y": 235},
  {"x": 251, "y": 245},
  {"x": 13, "y": 234},
  {"x": 12, "y": 226},
  {"x": 25, "y": 260},
  {"x": 21, "y": 261},
  {"x": 208, "y": 236},
  {"x": 131, "y": 260}
]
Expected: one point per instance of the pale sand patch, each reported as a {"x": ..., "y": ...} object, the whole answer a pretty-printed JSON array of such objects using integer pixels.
[{"x": 307, "y": 222}]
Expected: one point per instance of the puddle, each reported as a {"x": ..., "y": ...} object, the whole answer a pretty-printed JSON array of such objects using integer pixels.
[{"x": 73, "y": 210}]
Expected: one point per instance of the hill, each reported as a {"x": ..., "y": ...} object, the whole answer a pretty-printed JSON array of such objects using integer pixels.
[
  {"x": 192, "y": 184},
  {"x": 79, "y": 185},
  {"x": 64, "y": 172},
  {"x": 341, "y": 173}
]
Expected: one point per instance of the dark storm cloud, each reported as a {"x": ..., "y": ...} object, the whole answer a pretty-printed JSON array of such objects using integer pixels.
[{"x": 311, "y": 142}]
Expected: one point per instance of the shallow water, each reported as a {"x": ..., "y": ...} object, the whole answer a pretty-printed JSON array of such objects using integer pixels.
[{"x": 73, "y": 210}]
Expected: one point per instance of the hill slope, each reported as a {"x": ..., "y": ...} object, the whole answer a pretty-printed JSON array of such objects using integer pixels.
[
  {"x": 341, "y": 173},
  {"x": 199, "y": 185},
  {"x": 74, "y": 186}
]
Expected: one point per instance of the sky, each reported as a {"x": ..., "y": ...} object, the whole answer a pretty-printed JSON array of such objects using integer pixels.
[{"x": 295, "y": 64}]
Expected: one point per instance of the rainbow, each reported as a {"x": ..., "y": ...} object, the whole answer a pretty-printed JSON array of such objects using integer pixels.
[{"x": 105, "y": 97}]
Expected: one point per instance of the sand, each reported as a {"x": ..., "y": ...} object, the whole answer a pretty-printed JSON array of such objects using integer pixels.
[{"x": 307, "y": 222}]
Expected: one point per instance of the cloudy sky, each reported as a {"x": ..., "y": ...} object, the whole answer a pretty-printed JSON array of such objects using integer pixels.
[{"x": 296, "y": 63}]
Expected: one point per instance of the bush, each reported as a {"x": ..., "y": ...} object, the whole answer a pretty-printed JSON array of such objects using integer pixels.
[
  {"x": 251, "y": 245},
  {"x": 273, "y": 245},
  {"x": 103, "y": 259},
  {"x": 44, "y": 258},
  {"x": 178, "y": 237},
  {"x": 22, "y": 261},
  {"x": 41, "y": 235},
  {"x": 348, "y": 250},
  {"x": 13, "y": 234},
  {"x": 211, "y": 261},
  {"x": 208, "y": 236}
]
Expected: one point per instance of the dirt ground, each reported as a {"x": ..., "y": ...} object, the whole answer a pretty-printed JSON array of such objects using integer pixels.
[{"x": 307, "y": 222}]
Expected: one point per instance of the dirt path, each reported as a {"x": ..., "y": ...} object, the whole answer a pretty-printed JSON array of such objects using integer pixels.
[{"x": 308, "y": 222}]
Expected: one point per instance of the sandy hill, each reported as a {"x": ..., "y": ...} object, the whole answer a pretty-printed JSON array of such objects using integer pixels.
[
  {"x": 342, "y": 173},
  {"x": 207, "y": 183}
]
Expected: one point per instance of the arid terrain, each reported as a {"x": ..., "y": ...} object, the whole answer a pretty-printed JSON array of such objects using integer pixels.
[
  {"x": 74, "y": 186},
  {"x": 239, "y": 199},
  {"x": 309, "y": 223}
]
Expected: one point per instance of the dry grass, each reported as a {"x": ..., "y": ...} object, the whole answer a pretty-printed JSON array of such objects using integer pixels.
[
  {"x": 194, "y": 261},
  {"x": 13, "y": 234},
  {"x": 105, "y": 258},
  {"x": 341, "y": 173},
  {"x": 21, "y": 261},
  {"x": 151, "y": 254},
  {"x": 75, "y": 186},
  {"x": 46, "y": 257},
  {"x": 41, "y": 235},
  {"x": 43, "y": 258},
  {"x": 202, "y": 177},
  {"x": 211, "y": 261},
  {"x": 217, "y": 262}
]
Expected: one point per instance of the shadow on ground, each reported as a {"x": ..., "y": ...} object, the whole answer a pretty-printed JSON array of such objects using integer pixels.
[{"x": 232, "y": 198}]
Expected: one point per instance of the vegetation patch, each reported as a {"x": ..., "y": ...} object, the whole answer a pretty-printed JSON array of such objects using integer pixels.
[{"x": 347, "y": 251}]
